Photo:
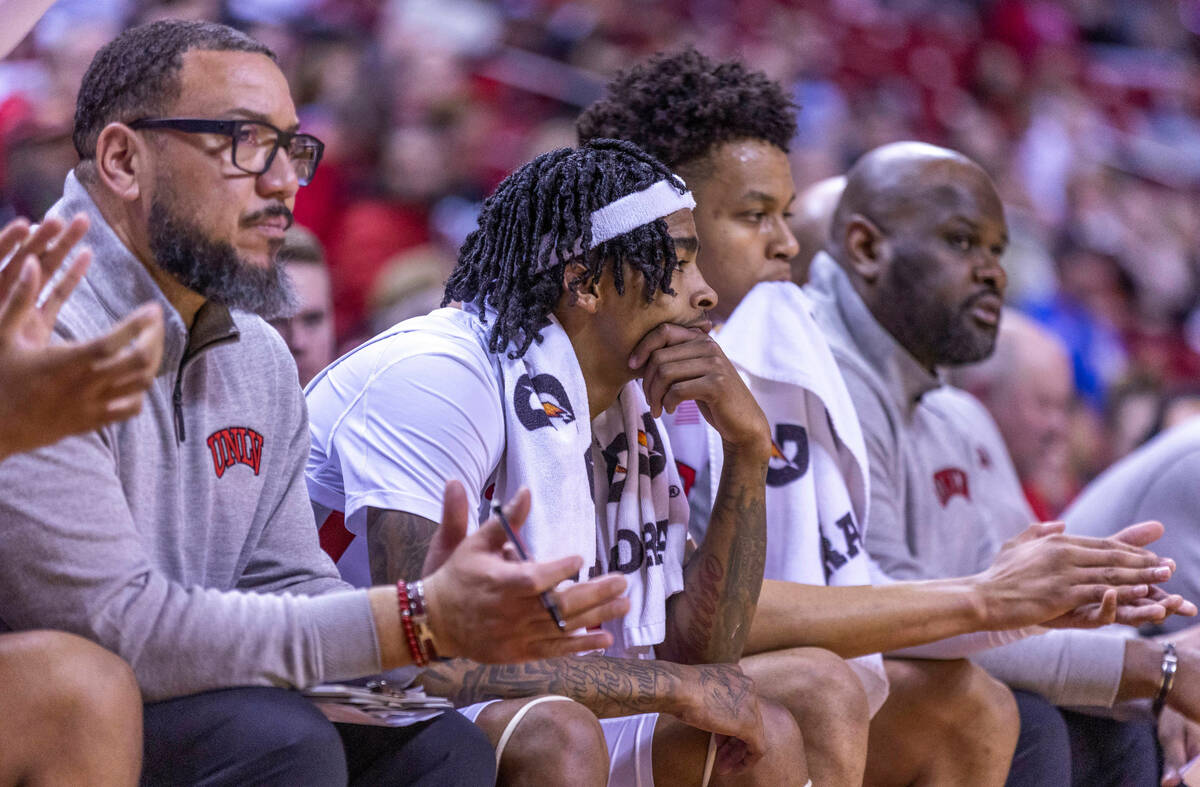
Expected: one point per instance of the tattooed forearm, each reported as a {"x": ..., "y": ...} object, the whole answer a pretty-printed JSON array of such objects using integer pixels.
[
  {"x": 694, "y": 627},
  {"x": 726, "y": 689},
  {"x": 710, "y": 620},
  {"x": 747, "y": 558},
  {"x": 396, "y": 544},
  {"x": 607, "y": 686}
]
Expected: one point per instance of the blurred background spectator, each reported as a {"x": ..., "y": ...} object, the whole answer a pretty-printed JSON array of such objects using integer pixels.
[
  {"x": 1027, "y": 386},
  {"x": 1086, "y": 113},
  {"x": 309, "y": 330}
]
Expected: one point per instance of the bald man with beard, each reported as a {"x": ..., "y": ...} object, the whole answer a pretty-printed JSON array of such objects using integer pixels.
[{"x": 912, "y": 284}]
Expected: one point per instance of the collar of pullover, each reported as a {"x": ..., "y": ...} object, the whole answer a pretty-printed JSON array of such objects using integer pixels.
[
  {"x": 121, "y": 283},
  {"x": 906, "y": 379}
]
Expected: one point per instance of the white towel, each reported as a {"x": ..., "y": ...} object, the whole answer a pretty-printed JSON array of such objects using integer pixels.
[
  {"x": 817, "y": 479},
  {"x": 640, "y": 526}
]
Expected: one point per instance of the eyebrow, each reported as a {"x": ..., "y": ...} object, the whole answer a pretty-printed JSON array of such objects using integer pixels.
[
  {"x": 973, "y": 226},
  {"x": 250, "y": 114},
  {"x": 761, "y": 196}
]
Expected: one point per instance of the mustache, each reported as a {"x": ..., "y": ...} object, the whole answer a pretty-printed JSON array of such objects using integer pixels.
[
  {"x": 269, "y": 212},
  {"x": 985, "y": 292}
]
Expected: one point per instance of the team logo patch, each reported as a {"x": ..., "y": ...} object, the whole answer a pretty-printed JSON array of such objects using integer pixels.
[
  {"x": 789, "y": 455},
  {"x": 539, "y": 399},
  {"x": 951, "y": 481},
  {"x": 617, "y": 457},
  {"x": 235, "y": 445}
]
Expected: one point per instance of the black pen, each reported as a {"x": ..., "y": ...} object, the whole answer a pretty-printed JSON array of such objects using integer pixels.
[{"x": 547, "y": 602}]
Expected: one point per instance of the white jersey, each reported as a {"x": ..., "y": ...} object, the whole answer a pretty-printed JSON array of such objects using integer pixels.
[
  {"x": 425, "y": 402},
  {"x": 390, "y": 424}
]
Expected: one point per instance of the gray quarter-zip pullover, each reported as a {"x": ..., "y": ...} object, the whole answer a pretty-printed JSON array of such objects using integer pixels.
[
  {"x": 182, "y": 539},
  {"x": 944, "y": 494}
]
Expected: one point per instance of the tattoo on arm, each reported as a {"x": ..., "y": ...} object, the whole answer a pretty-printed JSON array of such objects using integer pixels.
[
  {"x": 710, "y": 620},
  {"x": 725, "y": 690},
  {"x": 607, "y": 686},
  {"x": 396, "y": 544},
  {"x": 706, "y": 696}
]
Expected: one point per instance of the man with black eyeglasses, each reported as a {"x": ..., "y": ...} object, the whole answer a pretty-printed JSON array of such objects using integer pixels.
[{"x": 182, "y": 539}]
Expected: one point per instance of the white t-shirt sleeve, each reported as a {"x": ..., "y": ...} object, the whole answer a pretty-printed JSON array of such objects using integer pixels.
[{"x": 420, "y": 422}]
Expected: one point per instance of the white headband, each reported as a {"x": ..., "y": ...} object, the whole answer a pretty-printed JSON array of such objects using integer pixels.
[
  {"x": 641, "y": 207},
  {"x": 657, "y": 200}
]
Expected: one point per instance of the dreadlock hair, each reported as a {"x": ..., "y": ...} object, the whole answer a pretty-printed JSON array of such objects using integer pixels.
[
  {"x": 679, "y": 106},
  {"x": 539, "y": 219}
]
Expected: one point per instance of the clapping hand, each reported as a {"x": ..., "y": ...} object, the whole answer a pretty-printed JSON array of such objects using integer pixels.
[{"x": 49, "y": 391}]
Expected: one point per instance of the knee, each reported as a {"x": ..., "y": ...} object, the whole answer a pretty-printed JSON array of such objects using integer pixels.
[
  {"x": 297, "y": 743},
  {"x": 82, "y": 680},
  {"x": 987, "y": 704},
  {"x": 560, "y": 742},
  {"x": 783, "y": 761},
  {"x": 825, "y": 696},
  {"x": 297, "y": 725},
  {"x": 783, "y": 734},
  {"x": 840, "y": 689},
  {"x": 969, "y": 705}
]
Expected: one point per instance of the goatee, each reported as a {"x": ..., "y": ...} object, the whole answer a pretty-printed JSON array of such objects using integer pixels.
[
  {"x": 931, "y": 330},
  {"x": 213, "y": 268}
]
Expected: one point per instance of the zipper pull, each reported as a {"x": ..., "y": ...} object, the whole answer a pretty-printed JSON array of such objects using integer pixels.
[{"x": 177, "y": 399}]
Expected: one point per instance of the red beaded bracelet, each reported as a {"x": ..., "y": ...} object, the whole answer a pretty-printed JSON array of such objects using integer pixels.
[{"x": 406, "y": 621}]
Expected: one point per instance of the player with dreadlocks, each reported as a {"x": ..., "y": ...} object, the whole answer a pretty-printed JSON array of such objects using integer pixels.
[
  {"x": 726, "y": 129},
  {"x": 523, "y": 222},
  {"x": 584, "y": 319}
]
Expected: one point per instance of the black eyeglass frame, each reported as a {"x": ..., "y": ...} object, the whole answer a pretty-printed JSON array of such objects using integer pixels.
[{"x": 230, "y": 128}]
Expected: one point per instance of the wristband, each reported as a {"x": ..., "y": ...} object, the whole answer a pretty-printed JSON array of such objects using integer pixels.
[
  {"x": 1170, "y": 663},
  {"x": 406, "y": 622},
  {"x": 420, "y": 618}
]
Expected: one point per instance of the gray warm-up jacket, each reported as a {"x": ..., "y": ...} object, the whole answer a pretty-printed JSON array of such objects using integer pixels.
[
  {"x": 944, "y": 494},
  {"x": 182, "y": 539}
]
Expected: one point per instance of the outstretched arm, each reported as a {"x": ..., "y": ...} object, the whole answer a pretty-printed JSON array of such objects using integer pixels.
[
  {"x": 710, "y": 620},
  {"x": 1040, "y": 577}
]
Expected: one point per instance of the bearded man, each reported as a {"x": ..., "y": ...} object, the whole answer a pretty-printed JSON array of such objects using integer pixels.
[
  {"x": 182, "y": 538},
  {"x": 911, "y": 284}
]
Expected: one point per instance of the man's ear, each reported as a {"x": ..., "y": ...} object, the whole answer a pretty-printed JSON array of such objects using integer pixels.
[
  {"x": 867, "y": 248},
  {"x": 122, "y": 161},
  {"x": 579, "y": 289}
]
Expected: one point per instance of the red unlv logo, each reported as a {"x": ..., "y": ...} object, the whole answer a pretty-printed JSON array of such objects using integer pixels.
[
  {"x": 235, "y": 445},
  {"x": 949, "y": 482}
]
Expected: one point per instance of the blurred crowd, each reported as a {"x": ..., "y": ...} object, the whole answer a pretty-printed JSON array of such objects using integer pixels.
[{"x": 1085, "y": 112}]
